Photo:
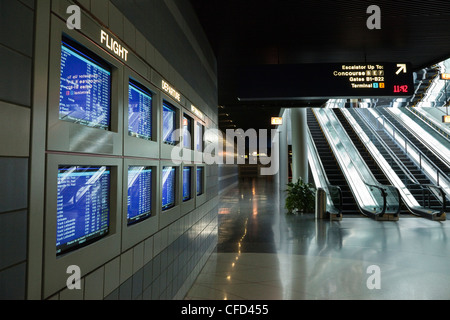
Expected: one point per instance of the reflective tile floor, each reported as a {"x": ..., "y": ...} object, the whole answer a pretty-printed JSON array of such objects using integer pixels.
[{"x": 264, "y": 254}]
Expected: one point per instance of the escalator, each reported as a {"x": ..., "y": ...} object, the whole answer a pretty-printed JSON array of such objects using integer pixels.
[
  {"x": 331, "y": 166},
  {"x": 427, "y": 198},
  {"x": 412, "y": 168},
  {"x": 424, "y": 149},
  {"x": 432, "y": 119},
  {"x": 374, "y": 199},
  {"x": 379, "y": 175},
  {"x": 439, "y": 175},
  {"x": 371, "y": 163}
]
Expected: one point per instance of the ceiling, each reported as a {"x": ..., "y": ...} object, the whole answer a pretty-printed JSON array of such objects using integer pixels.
[{"x": 249, "y": 32}]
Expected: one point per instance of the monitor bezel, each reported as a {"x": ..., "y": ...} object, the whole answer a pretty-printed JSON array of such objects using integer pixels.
[
  {"x": 73, "y": 45},
  {"x": 168, "y": 216},
  {"x": 188, "y": 205},
  {"x": 167, "y": 150},
  {"x": 141, "y": 90},
  {"x": 200, "y": 198},
  {"x": 190, "y": 129},
  {"x": 202, "y": 139},
  {"x": 133, "y": 146},
  {"x": 198, "y": 156},
  {"x": 188, "y": 153},
  {"x": 172, "y": 205},
  {"x": 91, "y": 239},
  {"x": 138, "y": 232},
  {"x": 143, "y": 216},
  {"x": 73, "y": 137},
  {"x": 176, "y": 111},
  {"x": 191, "y": 196},
  {"x": 88, "y": 257}
]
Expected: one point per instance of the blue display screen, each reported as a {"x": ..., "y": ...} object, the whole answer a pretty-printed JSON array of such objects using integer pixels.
[
  {"x": 82, "y": 206},
  {"x": 139, "y": 112},
  {"x": 169, "y": 116},
  {"x": 187, "y": 132},
  {"x": 199, "y": 181},
  {"x": 139, "y": 194},
  {"x": 85, "y": 87},
  {"x": 199, "y": 138},
  {"x": 168, "y": 187},
  {"x": 186, "y": 183}
]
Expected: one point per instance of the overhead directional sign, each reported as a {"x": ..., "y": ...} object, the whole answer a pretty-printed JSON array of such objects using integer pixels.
[
  {"x": 319, "y": 81},
  {"x": 402, "y": 68}
]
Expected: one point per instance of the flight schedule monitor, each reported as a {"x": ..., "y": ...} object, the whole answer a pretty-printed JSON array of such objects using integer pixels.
[
  {"x": 187, "y": 121},
  {"x": 139, "y": 194},
  {"x": 200, "y": 180},
  {"x": 169, "y": 123},
  {"x": 187, "y": 183},
  {"x": 83, "y": 206},
  {"x": 139, "y": 111},
  {"x": 85, "y": 87},
  {"x": 168, "y": 187},
  {"x": 199, "y": 137}
]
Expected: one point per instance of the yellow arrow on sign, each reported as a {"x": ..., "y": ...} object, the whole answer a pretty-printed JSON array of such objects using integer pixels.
[{"x": 402, "y": 67}]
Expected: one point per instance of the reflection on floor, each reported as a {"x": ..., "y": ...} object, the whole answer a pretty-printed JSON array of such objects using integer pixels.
[{"x": 263, "y": 254}]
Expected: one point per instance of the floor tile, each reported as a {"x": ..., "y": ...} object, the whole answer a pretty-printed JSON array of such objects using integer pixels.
[{"x": 263, "y": 254}]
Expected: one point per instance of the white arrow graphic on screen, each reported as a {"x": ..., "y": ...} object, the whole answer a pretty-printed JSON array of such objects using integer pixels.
[{"x": 402, "y": 67}]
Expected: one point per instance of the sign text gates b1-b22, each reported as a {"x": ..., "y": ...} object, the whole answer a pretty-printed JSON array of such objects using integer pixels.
[{"x": 328, "y": 80}]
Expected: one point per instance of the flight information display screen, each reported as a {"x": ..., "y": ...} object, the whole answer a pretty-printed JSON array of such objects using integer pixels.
[
  {"x": 199, "y": 181},
  {"x": 85, "y": 87},
  {"x": 169, "y": 116},
  {"x": 139, "y": 111},
  {"x": 187, "y": 183},
  {"x": 187, "y": 121},
  {"x": 139, "y": 193},
  {"x": 199, "y": 138},
  {"x": 83, "y": 206},
  {"x": 168, "y": 187}
]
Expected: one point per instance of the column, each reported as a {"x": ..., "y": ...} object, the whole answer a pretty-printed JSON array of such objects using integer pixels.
[
  {"x": 299, "y": 128},
  {"x": 283, "y": 154}
]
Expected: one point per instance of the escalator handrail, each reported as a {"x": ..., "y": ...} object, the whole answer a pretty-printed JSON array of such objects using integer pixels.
[{"x": 383, "y": 194}]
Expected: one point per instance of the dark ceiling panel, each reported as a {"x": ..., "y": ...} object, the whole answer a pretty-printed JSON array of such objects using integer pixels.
[{"x": 247, "y": 32}]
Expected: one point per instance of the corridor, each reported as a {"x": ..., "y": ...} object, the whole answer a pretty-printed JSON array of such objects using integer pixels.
[{"x": 264, "y": 254}]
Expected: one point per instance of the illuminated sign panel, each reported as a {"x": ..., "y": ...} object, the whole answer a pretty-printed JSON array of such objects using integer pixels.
[
  {"x": 197, "y": 112},
  {"x": 445, "y": 76},
  {"x": 170, "y": 91},
  {"x": 329, "y": 80},
  {"x": 113, "y": 45},
  {"x": 446, "y": 119},
  {"x": 277, "y": 121}
]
